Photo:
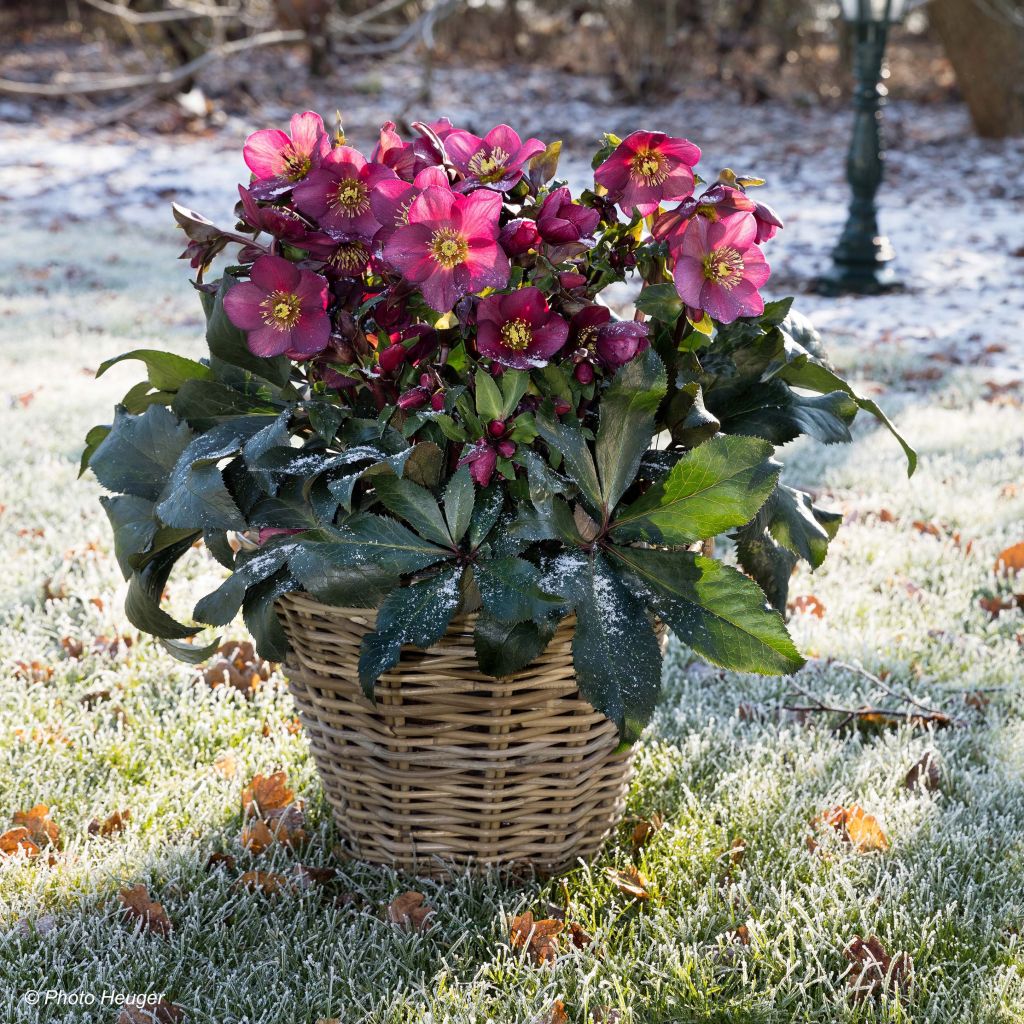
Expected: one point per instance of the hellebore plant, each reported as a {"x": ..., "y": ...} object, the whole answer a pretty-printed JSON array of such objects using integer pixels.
[{"x": 415, "y": 400}]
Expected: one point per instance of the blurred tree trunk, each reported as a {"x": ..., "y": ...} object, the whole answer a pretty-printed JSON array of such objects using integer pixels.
[{"x": 984, "y": 40}]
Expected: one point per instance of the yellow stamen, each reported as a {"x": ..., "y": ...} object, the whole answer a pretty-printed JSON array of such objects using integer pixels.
[
  {"x": 448, "y": 248},
  {"x": 296, "y": 165},
  {"x": 352, "y": 196},
  {"x": 489, "y": 167},
  {"x": 724, "y": 266},
  {"x": 649, "y": 166},
  {"x": 516, "y": 335},
  {"x": 281, "y": 310},
  {"x": 351, "y": 257}
]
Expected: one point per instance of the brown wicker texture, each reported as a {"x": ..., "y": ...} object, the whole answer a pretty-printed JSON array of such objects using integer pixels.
[{"x": 451, "y": 766}]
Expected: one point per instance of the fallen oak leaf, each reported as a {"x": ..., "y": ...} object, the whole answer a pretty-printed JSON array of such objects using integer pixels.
[
  {"x": 256, "y": 836},
  {"x": 115, "y": 822},
  {"x": 139, "y": 906},
  {"x": 265, "y": 882},
  {"x": 41, "y": 827},
  {"x": 225, "y": 765},
  {"x": 266, "y": 793},
  {"x": 218, "y": 860},
  {"x": 160, "y": 1012},
  {"x": 580, "y": 937},
  {"x": 538, "y": 938},
  {"x": 306, "y": 876},
  {"x": 924, "y": 772},
  {"x": 644, "y": 829},
  {"x": 18, "y": 840},
  {"x": 629, "y": 882},
  {"x": 1010, "y": 561},
  {"x": 807, "y": 604},
  {"x": 874, "y": 970},
  {"x": 855, "y": 825},
  {"x": 409, "y": 910},
  {"x": 556, "y": 1015}
]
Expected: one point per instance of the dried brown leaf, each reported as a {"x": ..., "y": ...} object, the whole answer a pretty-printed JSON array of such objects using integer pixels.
[
  {"x": 873, "y": 969},
  {"x": 161, "y": 1012},
  {"x": 266, "y": 793},
  {"x": 807, "y": 604},
  {"x": 629, "y": 882},
  {"x": 140, "y": 907},
  {"x": 924, "y": 772},
  {"x": 265, "y": 882},
  {"x": 115, "y": 822},
  {"x": 540, "y": 938},
  {"x": 42, "y": 829},
  {"x": 409, "y": 910}
]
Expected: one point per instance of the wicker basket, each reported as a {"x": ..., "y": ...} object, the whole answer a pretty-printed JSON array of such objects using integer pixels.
[{"x": 451, "y": 766}]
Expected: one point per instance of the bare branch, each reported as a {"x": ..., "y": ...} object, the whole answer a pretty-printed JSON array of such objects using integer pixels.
[
  {"x": 182, "y": 13},
  {"x": 161, "y": 80}
]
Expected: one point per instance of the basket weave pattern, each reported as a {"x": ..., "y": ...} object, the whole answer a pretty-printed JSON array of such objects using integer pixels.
[{"x": 450, "y": 765}]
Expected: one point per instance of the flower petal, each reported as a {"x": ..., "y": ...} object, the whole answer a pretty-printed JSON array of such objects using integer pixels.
[
  {"x": 242, "y": 305},
  {"x": 275, "y": 274},
  {"x": 311, "y": 334},
  {"x": 433, "y": 207},
  {"x": 268, "y": 341},
  {"x": 262, "y": 152},
  {"x": 478, "y": 215}
]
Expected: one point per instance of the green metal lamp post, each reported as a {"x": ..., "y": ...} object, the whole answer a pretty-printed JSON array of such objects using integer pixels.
[{"x": 862, "y": 256}]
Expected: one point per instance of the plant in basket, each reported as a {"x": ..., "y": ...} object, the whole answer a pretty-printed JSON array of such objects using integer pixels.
[{"x": 417, "y": 402}]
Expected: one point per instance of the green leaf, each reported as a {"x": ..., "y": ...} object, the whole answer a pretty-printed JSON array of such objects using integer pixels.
[
  {"x": 167, "y": 370},
  {"x": 325, "y": 418},
  {"x": 628, "y": 409},
  {"x": 139, "y": 453},
  {"x": 93, "y": 440},
  {"x": 544, "y": 166},
  {"x": 207, "y": 403},
  {"x": 766, "y": 562},
  {"x": 145, "y": 589},
  {"x": 418, "y": 614},
  {"x": 712, "y": 608},
  {"x": 716, "y": 486},
  {"x": 414, "y": 504},
  {"x": 134, "y": 523},
  {"x": 798, "y": 525},
  {"x": 775, "y": 312},
  {"x": 510, "y": 590},
  {"x": 489, "y": 401},
  {"x": 191, "y": 654},
  {"x": 221, "y": 606},
  {"x": 332, "y": 575},
  {"x": 614, "y": 649},
  {"x": 261, "y": 618},
  {"x": 458, "y": 503},
  {"x": 570, "y": 443},
  {"x": 380, "y": 540},
  {"x": 687, "y": 418},
  {"x": 228, "y": 344},
  {"x": 195, "y": 495},
  {"x": 503, "y": 648},
  {"x": 513, "y": 386},
  {"x": 661, "y": 301},
  {"x": 486, "y": 512},
  {"x": 805, "y": 373},
  {"x": 778, "y": 414}
]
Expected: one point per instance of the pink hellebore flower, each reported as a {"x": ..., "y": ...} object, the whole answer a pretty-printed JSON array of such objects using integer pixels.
[
  {"x": 561, "y": 220},
  {"x": 495, "y": 161},
  {"x": 482, "y": 460},
  {"x": 278, "y": 221},
  {"x": 715, "y": 203},
  {"x": 281, "y": 308},
  {"x": 519, "y": 236},
  {"x": 719, "y": 268},
  {"x": 598, "y": 338},
  {"x": 406, "y": 159},
  {"x": 519, "y": 330},
  {"x": 449, "y": 248},
  {"x": 390, "y": 200},
  {"x": 337, "y": 194},
  {"x": 646, "y": 169},
  {"x": 272, "y": 153}
]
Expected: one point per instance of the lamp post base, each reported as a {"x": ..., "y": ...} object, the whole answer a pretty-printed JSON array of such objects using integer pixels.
[{"x": 860, "y": 269}]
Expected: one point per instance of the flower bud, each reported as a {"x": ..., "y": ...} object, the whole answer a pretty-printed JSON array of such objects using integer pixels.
[
  {"x": 506, "y": 449},
  {"x": 562, "y": 406},
  {"x": 519, "y": 236},
  {"x": 437, "y": 401},
  {"x": 413, "y": 399},
  {"x": 496, "y": 428},
  {"x": 584, "y": 373},
  {"x": 391, "y": 358}
]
